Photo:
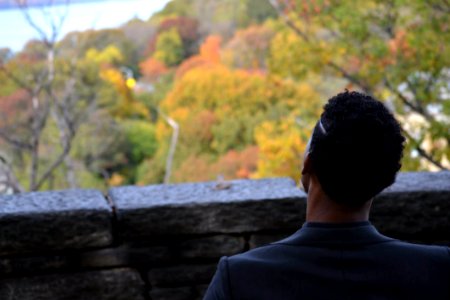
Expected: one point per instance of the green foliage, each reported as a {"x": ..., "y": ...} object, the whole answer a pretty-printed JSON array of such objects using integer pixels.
[
  {"x": 169, "y": 48},
  {"x": 141, "y": 140}
]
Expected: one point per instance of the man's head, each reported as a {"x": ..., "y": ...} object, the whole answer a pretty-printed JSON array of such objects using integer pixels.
[{"x": 355, "y": 150}]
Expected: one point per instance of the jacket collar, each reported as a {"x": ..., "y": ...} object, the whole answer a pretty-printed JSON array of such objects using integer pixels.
[{"x": 358, "y": 233}]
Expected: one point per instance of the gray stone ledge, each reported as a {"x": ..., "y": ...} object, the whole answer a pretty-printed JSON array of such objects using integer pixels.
[
  {"x": 420, "y": 182},
  {"x": 41, "y": 221},
  {"x": 416, "y": 207},
  {"x": 198, "y": 208},
  {"x": 117, "y": 284}
]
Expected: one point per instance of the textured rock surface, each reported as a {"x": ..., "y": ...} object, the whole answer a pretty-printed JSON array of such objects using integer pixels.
[
  {"x": 415, "y": 208},
  {"x": 118, "y": 284},
  {"x": 179, "y": 293},
  {"x": 54, "y": 220},
  {"x": 210, "y": 247},
  {"x": 68, "y": 261},
  {"x": 196, "y": 208},
  {"x": 419, "y": 182},
  {"x": 181, "y": 275}
]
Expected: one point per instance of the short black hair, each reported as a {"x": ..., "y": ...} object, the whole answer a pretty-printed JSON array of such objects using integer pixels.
[{"x": 356, "y": 148}]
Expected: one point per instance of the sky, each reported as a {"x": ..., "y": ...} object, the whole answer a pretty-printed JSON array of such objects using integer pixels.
[{"x": 15, "y": 31}]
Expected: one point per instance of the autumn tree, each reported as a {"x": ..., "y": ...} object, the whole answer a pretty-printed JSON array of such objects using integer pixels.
[
  {"x": 394, "y": 50},
  {"x": 53, "y": 91},
  {"x": 52, "y": 95},
  {"x": 218, "y": 110}
]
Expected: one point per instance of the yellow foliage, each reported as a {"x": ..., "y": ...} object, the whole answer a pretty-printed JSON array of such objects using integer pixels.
[
  {"x": 243, "y": 109},
  {"x": 112, "y": 75},
  {"x": 116, "y": 180},
  {"x": 109, "y": 55},
  {"x": 281, "y": 147},
  {"x": 126, "y": 105}
]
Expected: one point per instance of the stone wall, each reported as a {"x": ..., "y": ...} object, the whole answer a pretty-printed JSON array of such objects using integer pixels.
[{"x": 163, "y": 241}]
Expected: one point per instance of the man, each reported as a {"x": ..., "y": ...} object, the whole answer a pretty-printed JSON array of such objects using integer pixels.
[{"x": 353, "y": 154}]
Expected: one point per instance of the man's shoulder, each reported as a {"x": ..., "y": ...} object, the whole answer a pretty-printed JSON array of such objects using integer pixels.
[
  {"x": 283, "y": 269},
  {"x": 402, "y": 247},
  {"x": 279, "y": 252}
]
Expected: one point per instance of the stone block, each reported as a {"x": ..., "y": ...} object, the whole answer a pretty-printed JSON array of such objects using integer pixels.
[
  {"x": 416, "y": 207},
  {"x": 178, "y": 293},
  {"x": 200, "y": 208},
  {"x": 181, "y": 275},
  {"x": 43, "y": 221},
  {"x": 210, "y": 247},
  {"x": 117, "y": 284},
  {"x": 123, "y": 255}
]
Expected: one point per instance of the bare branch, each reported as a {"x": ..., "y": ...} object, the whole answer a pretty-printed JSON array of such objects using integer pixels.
[
  {"x": 15, "y": 79},
  {"x": 10, "y": 179},
  {"x": 288, "y": 21},
  {"x": 13, "y": 141},
  {"x": 23, "y": 5},
  {"x": 416, "y": 108},
  {"x": 353, "y": 79},
  {"x": 423, "y": 153},
  {"x": 48, "y": 172}
]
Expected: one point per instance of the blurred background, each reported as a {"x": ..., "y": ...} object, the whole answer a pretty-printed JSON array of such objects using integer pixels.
[{"x": 101, "y": 93}]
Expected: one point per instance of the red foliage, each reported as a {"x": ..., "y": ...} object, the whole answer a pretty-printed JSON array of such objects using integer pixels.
[
  {"x": 238, "y": 164},
  {"x": 15, "y": 108},
  {"x": 232, "y": 165},
  {"x": 250, "y": 46},
  {"x": 151, "y": 47},
  {"x": 186, "y": 27}
]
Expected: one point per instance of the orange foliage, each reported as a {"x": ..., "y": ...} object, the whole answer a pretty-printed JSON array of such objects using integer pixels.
[
  {"x": 193, "y": 169},
  {"x": 238, "y": 164},
  {"x": 200, "y": 126},
  {"x": 210, "y": 49},
  {"x": 209, "y": 56},
  {"x": 398, "y": 46},
  {"x": 189, "y": 64},
  {"x": 152, "y": 69},
  {"x": 232, "y": 165}
]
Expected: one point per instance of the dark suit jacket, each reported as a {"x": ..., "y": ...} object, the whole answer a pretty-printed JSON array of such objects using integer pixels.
[{"x": 325, "y": 261}]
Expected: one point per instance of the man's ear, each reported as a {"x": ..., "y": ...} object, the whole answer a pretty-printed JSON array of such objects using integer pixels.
[
  {"x": 306, "y": 172},
  {"x": 307, "y": 168}
]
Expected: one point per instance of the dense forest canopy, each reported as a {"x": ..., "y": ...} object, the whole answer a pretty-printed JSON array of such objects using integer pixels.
[{"x": 209, "y": 89}]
